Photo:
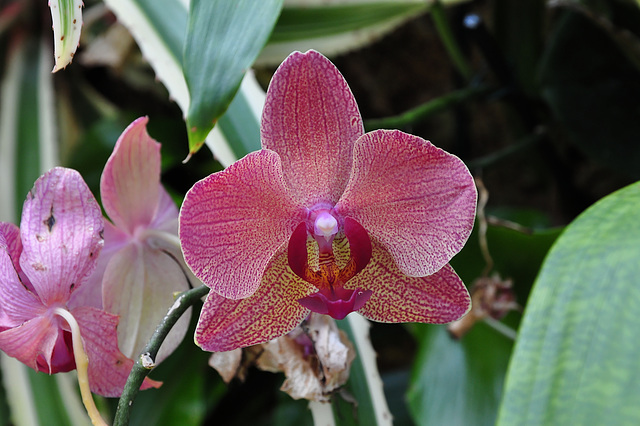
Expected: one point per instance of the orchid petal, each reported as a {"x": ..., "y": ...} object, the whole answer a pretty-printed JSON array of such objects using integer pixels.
[
  {"x": 11, "y": 234},
  {"x": 17, "y": 304},
  {"x": 61, "y": 232},
  {"x": 311, "y": 119},
  {"x": 439, "y": 298},
  {"x": 233, "y": 222},
  {"x": 90, "y": 294},
  {"x": 33, "y": 344},
  {"x": 130, "y": 181},
  {"x": 417, "y": 200},
  {"x": 166, "y": 218},
  {"x": 139, "y": 286},
  {"x": 108, "y": 367},
  {"x": 272, "y": 311}
]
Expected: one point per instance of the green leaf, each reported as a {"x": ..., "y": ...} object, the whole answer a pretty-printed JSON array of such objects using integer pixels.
[
  {"x": 223, "y": 39},
  {"x": 159, "y": 28},
  {"x": 458, "y": 382},
  {"x": 338, "y": 26},
  {"x": 299, "y": 23},
  {"x": 575, "y": 360},
  {"x": 67, "y": 22}
]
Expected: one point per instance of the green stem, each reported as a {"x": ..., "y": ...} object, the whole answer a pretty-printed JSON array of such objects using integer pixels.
[
  {"x": 139, "y": 370},
  {"x": 450, "y": 44},
  {"x": 508, "y": 151},
  {"x": 428, "y": 109}
]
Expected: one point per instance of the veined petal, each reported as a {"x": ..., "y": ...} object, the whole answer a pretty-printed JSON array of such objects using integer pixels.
[
  {"x": 61, "y": 232},
  {"x": 130, "y": 183},
  {"x": 438, "y": 298},
  {"x": 139, "y": 286},
  {"x": 166, "y": 218},
  {"x": 311, "y": 119},
  {"x": 272, "y": 311},
  {"x": 108, "y": 367},
  {"x": 233, "y": 222},
  {"x": 417, "y": 200},
  {"x": 90, "y": 294},
  {"x": 36, "y": 343},
  {"x": 13, "y": 245},
  {"x": 17, "y": 304}
]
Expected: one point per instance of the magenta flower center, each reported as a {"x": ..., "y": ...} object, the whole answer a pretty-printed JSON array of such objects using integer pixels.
[{"x": 330, "y": 276}]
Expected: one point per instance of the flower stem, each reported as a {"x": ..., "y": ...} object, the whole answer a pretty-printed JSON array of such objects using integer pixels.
[
  {"x": 451, "y": 45},
  {"x": 82, "y": 366},
  {"x": 425, "y": 110},
  {"x": 144, "y": 363}
]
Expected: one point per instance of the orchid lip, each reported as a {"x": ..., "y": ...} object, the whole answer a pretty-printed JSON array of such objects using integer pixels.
[{"x": 336, "y": 306}]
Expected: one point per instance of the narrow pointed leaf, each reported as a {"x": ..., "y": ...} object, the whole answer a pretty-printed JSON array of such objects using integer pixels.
[
  {"x": 575, "y": 358},
  {"x": 159, "y": 28},
  {"x": 336, "y": 26},
  {"x": 67, "y": 22},
  {"x": 223, "y": 39}
]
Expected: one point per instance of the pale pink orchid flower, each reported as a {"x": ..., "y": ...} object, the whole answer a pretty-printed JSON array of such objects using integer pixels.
[
  {"x": 326, "y": 218},
  {"x": 141, "y": 267},
  {"x": 42, "y": 264}
]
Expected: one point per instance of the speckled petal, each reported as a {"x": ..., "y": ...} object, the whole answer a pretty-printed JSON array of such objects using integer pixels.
[
  {"x": 233, "y": 222},
  {"x": 311, "y": 119},
  {"x": 417, "y": 200},
  {"x": 439, "y": 298},
  {"x": 272, "y": 311},
  {"x": 130, "y": 183},
  {"x": 108, "y": 367},
  {"x": 61, "y": 232}
]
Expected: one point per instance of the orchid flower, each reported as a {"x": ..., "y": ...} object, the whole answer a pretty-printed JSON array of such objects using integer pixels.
[
  {"x": 42, "y": 264},
  {"x": 140, "y": 269},
  {"x": 326, "y": 218}
]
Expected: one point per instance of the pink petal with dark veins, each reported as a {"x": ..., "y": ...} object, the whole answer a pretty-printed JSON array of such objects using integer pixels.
[
  {"x": 233, "y": 222},
  {"x": 33, "y": 344},
  {"x": 417, "y": 200},
  {"x": 438, "y": 298},
  {"x": 272, "y": 311},
  {"x": 130, "y": 181},
  {"x": 108, "y": 367},
  {"x": 61, "y": 232},
  {"x": 17, "y": 304},
  {"x": 311, "y": 119}
]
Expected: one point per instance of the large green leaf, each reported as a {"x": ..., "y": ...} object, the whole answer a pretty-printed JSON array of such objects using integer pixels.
[
  {"x": 223, "y": 39},
  {"x": 575, "y": 360}
]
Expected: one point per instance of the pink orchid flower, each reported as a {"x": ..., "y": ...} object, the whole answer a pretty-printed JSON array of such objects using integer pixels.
[
  {"x": 140, "y": 269},
  {"x": 42, "y": 264},
  {"x": 326, "y": 218}
]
